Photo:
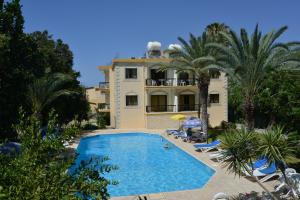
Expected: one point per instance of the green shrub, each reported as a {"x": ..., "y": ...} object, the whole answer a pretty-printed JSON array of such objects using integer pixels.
[
  {"x": 101, "y": 120},
  {"x": 41, "y": 170},
  {"x": 90, "y": 126}
]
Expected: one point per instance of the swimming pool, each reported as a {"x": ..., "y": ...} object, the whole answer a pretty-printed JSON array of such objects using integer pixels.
[{"x": 145, "y": 166}]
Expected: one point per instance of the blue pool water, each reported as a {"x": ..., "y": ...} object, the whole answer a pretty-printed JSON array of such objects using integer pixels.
[{"x": 145, "y": 166}]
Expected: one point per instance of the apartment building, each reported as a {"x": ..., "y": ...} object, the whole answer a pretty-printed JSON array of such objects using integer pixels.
[
  {"x": 143, "y": 97},
  {"x": 98, "y": 97}
]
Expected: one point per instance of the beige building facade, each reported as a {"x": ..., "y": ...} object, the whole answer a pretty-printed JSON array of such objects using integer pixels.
[
  {"x": 99, "y": 97},
  {"x": 143, "y": 97}
]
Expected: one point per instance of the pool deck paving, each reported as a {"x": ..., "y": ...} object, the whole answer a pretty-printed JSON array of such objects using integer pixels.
[{"x": 221, "y": 181}]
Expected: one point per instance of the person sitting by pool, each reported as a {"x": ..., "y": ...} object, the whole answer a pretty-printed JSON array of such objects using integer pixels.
[{"x": 189, "y": 134}]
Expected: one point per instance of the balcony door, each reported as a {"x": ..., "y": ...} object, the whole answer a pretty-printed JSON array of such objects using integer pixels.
[
  {"x": 158, "y": 103},
  {"x": 155, "y": 75},
  {"x": 186, "y": 102},
  {"x": 183, "y": 76}
]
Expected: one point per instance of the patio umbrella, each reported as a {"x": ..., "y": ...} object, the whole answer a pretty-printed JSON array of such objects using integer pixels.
[
  {"x": 192, "y": 122},
  {"x": 178, "y": 117}
]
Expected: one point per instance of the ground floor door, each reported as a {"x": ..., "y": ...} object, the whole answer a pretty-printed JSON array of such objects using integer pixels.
[
  {"x": 158, "y": 103},
  {"x": 186, "y": 102}
]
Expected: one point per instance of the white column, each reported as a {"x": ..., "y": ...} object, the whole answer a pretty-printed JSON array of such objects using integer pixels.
[
  {"x": 175, "y": 78},
  {"x": 176, "y": 103}
]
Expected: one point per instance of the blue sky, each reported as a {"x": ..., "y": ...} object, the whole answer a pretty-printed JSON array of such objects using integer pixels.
[{"x": 99, "y": 30}]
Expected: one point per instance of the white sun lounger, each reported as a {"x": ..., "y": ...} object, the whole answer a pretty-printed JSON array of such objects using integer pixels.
[{"x": 217, "y": 156}]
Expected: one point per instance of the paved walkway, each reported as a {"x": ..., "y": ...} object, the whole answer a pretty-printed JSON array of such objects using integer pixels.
[{"x": 221, "y": 181}]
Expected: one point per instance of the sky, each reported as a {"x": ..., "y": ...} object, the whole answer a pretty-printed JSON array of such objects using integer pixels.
[{"x": 99, "y": 30}]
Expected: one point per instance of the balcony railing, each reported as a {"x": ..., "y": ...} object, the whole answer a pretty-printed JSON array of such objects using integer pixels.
[
  {"x": 104, "y": 85},
  {"x": 160, "y": 108},
  {"x": 103, "y": 106},
  {"x": 170, "y": 82},
  {"x": 188, "y": 107},
  {"x": 184, "y": 82},
  {"x": 160, "y": 82},
  {"x": 172, "y": 108}
]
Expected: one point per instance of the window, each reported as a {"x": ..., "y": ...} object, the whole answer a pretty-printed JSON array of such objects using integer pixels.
[
  {"x": 131, "y": 100},
  {"x": 214, "y": 73},
  {"x": 214, "y": 98},
  {"x": 131, "y": 73}
]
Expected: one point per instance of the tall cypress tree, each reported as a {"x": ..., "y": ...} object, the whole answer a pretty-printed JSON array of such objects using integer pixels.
[{"x": 17, "y": 62}]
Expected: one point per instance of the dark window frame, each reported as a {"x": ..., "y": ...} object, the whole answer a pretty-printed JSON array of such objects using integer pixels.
[
  {"x": 130, "y": 75},
  {"x": 214, "y": 74},
  {"x": 128, "y": 101},
  {"x": 215, "y": 99}
]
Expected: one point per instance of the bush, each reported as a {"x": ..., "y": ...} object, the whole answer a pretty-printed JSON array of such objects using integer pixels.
[
  {"x": 90, "y": 126},
  {"x": 41, "y": 170},
  {"x": 101, "y": 120},
  {"x": 215, "y": 133}
]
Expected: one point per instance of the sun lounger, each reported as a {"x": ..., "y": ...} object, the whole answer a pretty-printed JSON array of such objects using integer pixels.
[
  {"x": 283, "y": 185},
  {"x": 268, "y": 172},
  {"x": 217, "y": 156},
  {"x": 170, "y": 131},
  {"x": 198, "y": 136},
  {"x": 259, "y": 163},
  {"x": 207, "y": 147},
  {"x": 181, "y": 134}
]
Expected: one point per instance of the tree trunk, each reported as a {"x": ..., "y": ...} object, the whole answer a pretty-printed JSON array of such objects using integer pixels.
[
  {"x": 249, "y": 113},
  {"x": 272, "y": 119},
  {"x": 199, "y": 104},
  {"x": 203, "y": 90}
]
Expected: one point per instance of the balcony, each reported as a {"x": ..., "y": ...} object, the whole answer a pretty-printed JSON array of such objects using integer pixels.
[
  {"x": 172, "y": 108},
  {"x": 160, "y": 82},
  {"x": 103, "y": 85},
  {"x": 160, "y": 108},
  {"x": 170, "y": 82},
  {"x": 188, "y": 107},
  {"x": 186, "y": 82},
  {"x": 103, "y": 107}
]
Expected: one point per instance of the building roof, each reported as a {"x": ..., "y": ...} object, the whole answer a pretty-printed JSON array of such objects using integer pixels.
[
  {"x": 140, "y": 60},
  {"x": 133, "y": 60}
]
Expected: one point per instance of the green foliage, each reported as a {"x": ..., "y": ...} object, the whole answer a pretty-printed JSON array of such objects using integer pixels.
[
  {"x": 277, "y": 146},
  {"x": 18, "y": 63},
  {"x": 101, "y": 121},
  {"x": 41, "y": 171},
  {"x": 279, "y": 100},
  {"x": 213, "y": 31},
  {"x": 243, "y": 147},
  {"x": 235, "y": 101},
  {"x": 57, "y": 57},
  {"x": 239, "y": 149},
  {"x": 90, "y": 126},
  {"x": 248, "y": 60},
  {"x": 25, "y": 58},
  {"x": 42, "y": 92}
]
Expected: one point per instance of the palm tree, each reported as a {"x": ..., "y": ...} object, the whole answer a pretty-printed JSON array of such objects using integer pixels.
[
  {"x": 195, "y": 58},
  {"x": 213, "y": 31},
  {"x": 248, "y": 60},
  {"x": 42, "y": 92}
]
